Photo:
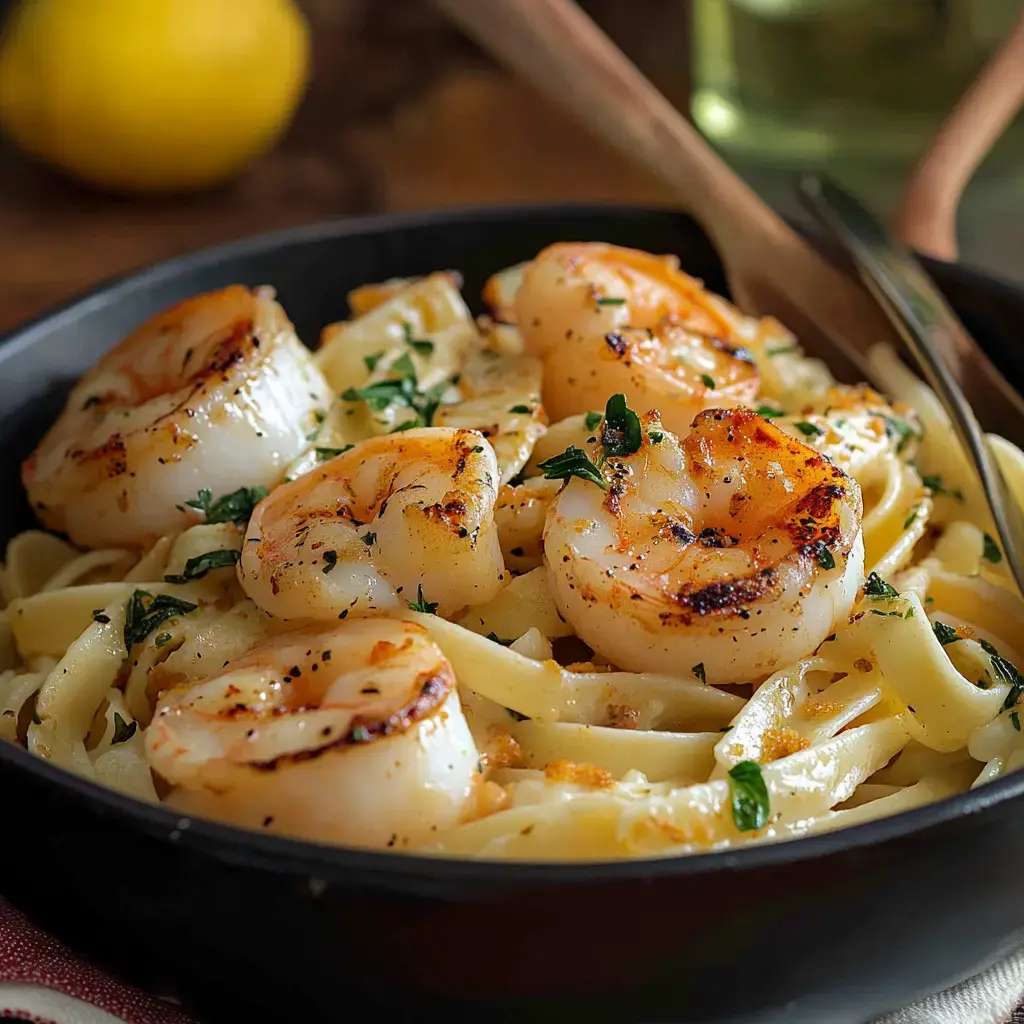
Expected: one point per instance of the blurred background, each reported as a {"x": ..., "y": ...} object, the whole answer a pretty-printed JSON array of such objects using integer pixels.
[{"x": 135, "y": 130}]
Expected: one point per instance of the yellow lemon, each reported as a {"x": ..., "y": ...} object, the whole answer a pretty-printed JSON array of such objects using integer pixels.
[{"x": 151, "y": 94}]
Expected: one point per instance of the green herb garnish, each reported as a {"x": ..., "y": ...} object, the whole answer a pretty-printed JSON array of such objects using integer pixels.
[
  {"x": 909, "y": 521},
  {"x": 592, "y": 420},
  {"x": 698, "y": 671},
  {"x": 708, "y": 380},
  {"x": 196, "y": 568},
  {"x": 421, "y": 605},
  {"x": 330, "y": 558},
  {"x": 123, "y": 731},
  {"x": 326, "y": 454},
  {"x": 318, "y": 420},
  {"x": 372, "y": 361},
  {"x": 1005, "y": 671},
  {"x": 607, "y": 300},
  {"x": 1015, "y": 720},
  {"x": 572, "y": 462},
  {"x": 808, "y": 429},
  {"x": 380, "y": 395},
  {"x": 520, "y": 408},
  {"x": 401, "y": 391},
  {"x": 235, "y": 507},
  {"x": 369, "y": 538},
  {"x": 825, "y": 557},
  {"x": 768, "y": 411},
  {"x": 622, "y": 434},
  {"x": 781, "y": 350},
  {"x": 877, "y": 589},
  {"x": 144, "y": 613},
  {"x": 945, "y": 634},
  {"x": 162, "y": 639},
  {"x": 656, "y": 436},
  {"x": 935, "y": 485},
  {"x": 990, "y": 550},
  {"x": 896, "y": 427},
  {"x": 419, "y": 345},
  {"x": 750, "y": 804}
]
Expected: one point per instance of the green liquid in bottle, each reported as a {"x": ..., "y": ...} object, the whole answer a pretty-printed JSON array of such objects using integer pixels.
[{"x": 814, "y": 83}]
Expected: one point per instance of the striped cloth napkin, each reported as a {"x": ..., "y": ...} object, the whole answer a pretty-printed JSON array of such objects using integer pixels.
[{"x": 43, "y": 982}]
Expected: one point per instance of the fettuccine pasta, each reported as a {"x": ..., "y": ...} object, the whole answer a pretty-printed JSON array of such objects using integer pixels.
[{"x": 373, "y": 596}]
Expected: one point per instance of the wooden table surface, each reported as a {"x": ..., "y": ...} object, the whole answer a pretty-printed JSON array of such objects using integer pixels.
[{"x": 402, "y": 114}]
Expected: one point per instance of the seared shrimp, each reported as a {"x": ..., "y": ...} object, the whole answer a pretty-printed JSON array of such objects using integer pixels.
[
  {"x": 606, "y": 319},
  {"x": 726, "y": 555},
  {"x": 398, "y": 518},
  {"x": 214, "y": 393},
  {"x": 351, "y": 734}
]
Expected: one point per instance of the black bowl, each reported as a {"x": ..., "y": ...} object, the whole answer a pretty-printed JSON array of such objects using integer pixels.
[{"x": 835, "y": 928}]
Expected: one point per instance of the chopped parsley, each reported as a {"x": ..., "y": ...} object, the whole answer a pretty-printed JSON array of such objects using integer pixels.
[
  {"x": 1005, "y": 671},
  {"x": 572, "y": 462},
  {"x": 162, "y": 639},
  {"x": 123, "y": 731},
  {"x": 808, "y": 429},
  {"x": 622, "y": 434},
  {"x": 326, "y": 454},
  {"x": 934, "y": 484},
  {"x": 698, "y": 671},
  {"x": 608, "y": 300},
  {"x": 895, "y": 427},
  {"x": 768, "y": 411},
  {"x": 405, "y": 425},
  {"x": 824, "y": 557},
  {"x": 330, "y": 558},
  {"x": 420, "y": 346},
  {"x": 318, "y": 420},
  {"x": 990, "y": 550},
  {"x": 708, "y": 380},
  {"x": 912, "y": 518},
  {"x": 144, "y": 613},
  {"x": 235, "y": 507},
  {"x": 372, "y": 361},
  {"x": 369, "y": 538},
  {"x": 520, "y": 408},
  {"x": 592, "y": 420},
  {"x": 750, "y": 803},
  {"x": 782, "y": 350},
  {"x": 656, "y": 436},
  {"x": 196, "y": 568},
  {"x": 402, "y": 391},
  {"x": 421, "y": 605},
  {"x": 945, "y": 634},
  {"x": 877, "y": 589}
]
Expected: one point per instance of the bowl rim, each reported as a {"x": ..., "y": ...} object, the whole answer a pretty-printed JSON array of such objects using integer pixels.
[{"x": 315, "y": 859}]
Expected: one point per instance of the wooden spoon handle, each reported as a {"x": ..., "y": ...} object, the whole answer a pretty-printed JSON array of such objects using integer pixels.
[
  {"x": 926, "y": 217},
  {"x": 554, "y": 45}
]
